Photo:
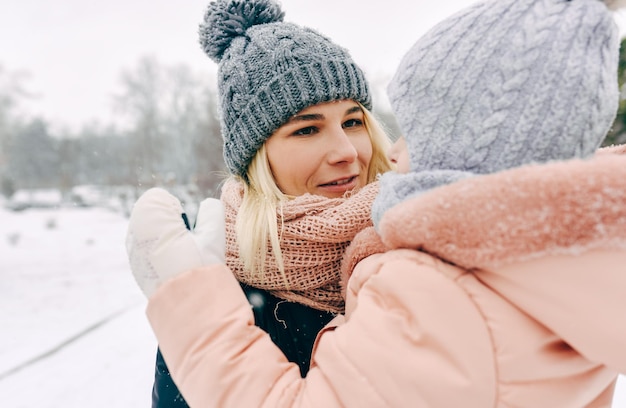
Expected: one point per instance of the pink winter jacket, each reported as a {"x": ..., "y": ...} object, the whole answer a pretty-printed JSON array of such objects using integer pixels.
[{"x": 506, "y": 290}]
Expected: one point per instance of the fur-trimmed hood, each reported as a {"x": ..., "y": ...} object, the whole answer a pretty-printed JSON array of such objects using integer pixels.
[
  {"x": 511, "y": 216},
  {"x": 519, "y": 214}
]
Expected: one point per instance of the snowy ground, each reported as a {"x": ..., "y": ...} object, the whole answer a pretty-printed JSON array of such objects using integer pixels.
[
  {"x": 71, "y": 316},
  {"x": 73, "y": 331}
]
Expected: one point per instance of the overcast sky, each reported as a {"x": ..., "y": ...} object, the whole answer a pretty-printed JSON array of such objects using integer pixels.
[{"x": 74, "y": 50}]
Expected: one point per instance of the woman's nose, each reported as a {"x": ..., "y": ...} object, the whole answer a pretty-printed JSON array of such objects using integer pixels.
[{"x": 341, "y": 148}]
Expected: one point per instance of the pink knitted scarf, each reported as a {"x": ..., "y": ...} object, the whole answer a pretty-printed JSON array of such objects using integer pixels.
[{"x": 314, "y": 233}]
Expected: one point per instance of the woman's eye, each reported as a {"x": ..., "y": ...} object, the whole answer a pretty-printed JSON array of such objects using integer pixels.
[
  {"x": 352, "y": 123},
  {"x": 305, "y": 131}
]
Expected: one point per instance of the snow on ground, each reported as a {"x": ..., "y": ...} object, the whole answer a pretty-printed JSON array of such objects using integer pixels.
[
  {"x": 74, "y": 332},
  {"x": 73, "y": 329}
]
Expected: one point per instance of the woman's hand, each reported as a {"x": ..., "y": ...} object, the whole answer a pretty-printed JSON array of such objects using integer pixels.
[{"x": 160, "y": 246}]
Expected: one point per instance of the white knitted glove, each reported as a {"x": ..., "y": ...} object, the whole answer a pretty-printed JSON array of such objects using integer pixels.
[{"x": 160, "y": 246}]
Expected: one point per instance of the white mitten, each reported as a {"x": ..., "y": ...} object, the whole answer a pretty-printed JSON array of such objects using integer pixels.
[{"x": 160, "y": 247}]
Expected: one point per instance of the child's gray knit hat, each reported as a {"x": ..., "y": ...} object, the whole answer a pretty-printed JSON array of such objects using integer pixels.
[
  {"x": 501, "y": 84},
  {"x": 270, "y": 70}
]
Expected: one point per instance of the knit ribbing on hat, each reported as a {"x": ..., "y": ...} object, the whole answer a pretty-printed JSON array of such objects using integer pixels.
[
  {"x": 268, "y": 72},
  {"x": 246, "y": 127}
]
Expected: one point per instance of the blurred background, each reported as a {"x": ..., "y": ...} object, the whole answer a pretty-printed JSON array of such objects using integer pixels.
[{"x": 98, "y": 102}]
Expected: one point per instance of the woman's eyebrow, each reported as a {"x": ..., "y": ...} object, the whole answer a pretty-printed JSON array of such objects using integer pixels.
[
  {"x": 354, "y": 109},
  {"x": 307, "y": 117},
  {"x": 319, "y": 116}
]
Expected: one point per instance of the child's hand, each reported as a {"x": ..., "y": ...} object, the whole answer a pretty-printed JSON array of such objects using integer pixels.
[{"x": 159, "y": 245}]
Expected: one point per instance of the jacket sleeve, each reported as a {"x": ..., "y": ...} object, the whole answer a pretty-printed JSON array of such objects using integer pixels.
[
  {"x": 402, "y": 343},
  {"x": 579, "y": 296},
  {"x": 216, "y": 355}
]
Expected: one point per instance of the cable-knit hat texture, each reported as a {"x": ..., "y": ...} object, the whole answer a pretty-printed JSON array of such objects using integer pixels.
[
  {"x": 501, "y": 84},
  {"x": 270, "y": 70}
]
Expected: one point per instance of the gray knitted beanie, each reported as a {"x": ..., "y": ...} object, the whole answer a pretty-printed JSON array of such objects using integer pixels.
[
  {"x": 270, "y": 70},
  {"x": 501, "y": 84}
]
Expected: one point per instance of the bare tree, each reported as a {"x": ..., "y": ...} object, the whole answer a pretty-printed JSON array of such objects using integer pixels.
[
  {"x": 12, "y": 91},
  {"x": 173, "y": 126},
  {"x": 139, "y": 102},
  {"x": 34, "y": 159}
]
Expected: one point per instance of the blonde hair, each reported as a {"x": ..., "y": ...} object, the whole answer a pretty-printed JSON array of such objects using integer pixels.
[{"x": 256, "y": 226}]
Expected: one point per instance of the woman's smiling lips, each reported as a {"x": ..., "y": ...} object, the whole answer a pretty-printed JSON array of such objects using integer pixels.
[{"x": 341, "y": 185}]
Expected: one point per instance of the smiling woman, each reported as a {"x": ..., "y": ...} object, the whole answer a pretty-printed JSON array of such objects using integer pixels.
[
  {"x": 324, "y": 149},
  {"x": 303, "y": 151}
]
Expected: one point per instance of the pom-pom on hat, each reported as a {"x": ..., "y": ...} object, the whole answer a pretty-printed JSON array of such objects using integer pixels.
[
  {"x": 270, "y": 70},
  {"x": 501, "y": 84}
]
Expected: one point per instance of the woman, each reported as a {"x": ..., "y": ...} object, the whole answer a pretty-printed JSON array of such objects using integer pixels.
[
  {"x": 301, "y": 146},
  {"x": 502, "y": 277}
]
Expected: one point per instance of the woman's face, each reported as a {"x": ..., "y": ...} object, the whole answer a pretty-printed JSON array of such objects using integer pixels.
[
  {"x": 399, "y": 155},
  {"x": 324, "y": 149}
]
